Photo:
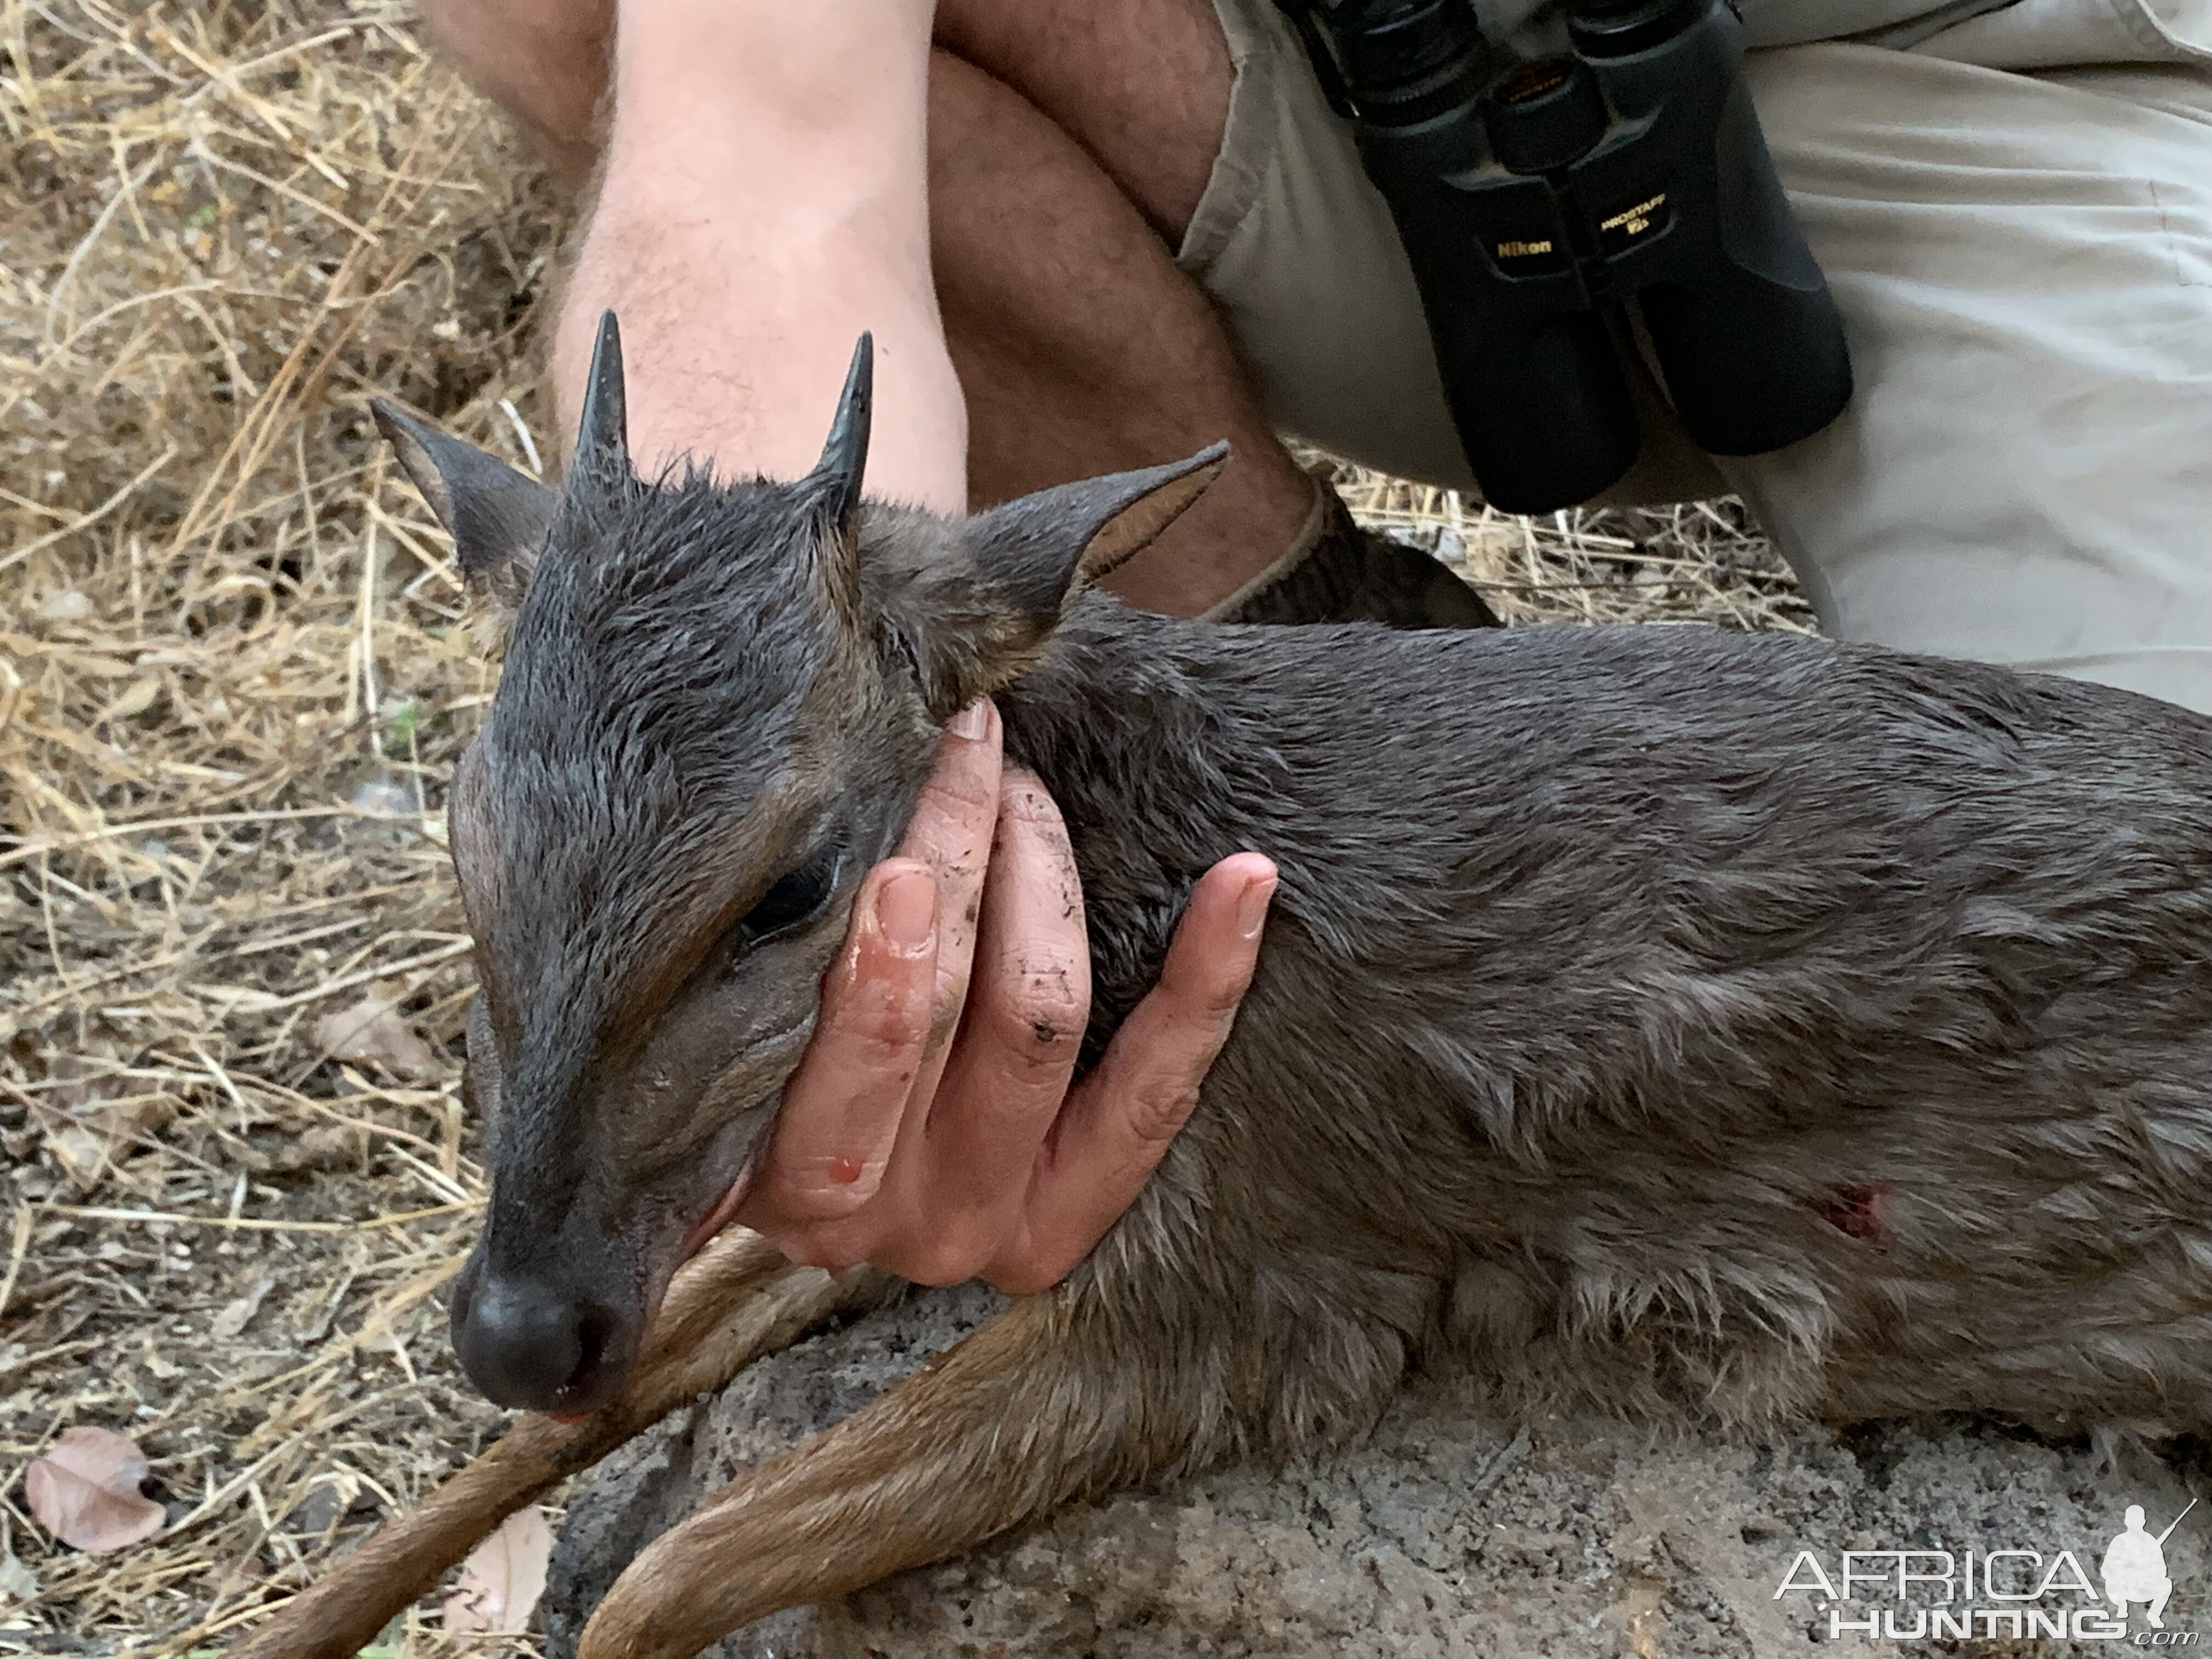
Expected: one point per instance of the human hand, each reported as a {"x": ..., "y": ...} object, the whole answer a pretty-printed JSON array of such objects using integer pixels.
[{"x": 930, "y": 1127}]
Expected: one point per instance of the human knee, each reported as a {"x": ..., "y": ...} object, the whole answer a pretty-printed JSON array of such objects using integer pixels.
[
  {"x": 1144, "y": 86},
  {"x": 543, "y": 61},
  {"x": 489, "y": 37}
]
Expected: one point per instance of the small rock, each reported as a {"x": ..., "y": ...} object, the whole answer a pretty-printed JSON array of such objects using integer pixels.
[
  {"x": 18, "y": 1583},
  {"x": 68, "y": 605},
  {"x": 383, "y": 795}
]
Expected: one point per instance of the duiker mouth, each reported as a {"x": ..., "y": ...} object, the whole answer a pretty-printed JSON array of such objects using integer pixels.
[
  {"x": 532, "y": 1344},
  {"x": 718, "y": 1218},
  {"x": 580, "y": 1243}
]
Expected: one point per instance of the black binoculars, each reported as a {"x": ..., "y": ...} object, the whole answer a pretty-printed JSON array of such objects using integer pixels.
[{"x": 1541, "y": 201}]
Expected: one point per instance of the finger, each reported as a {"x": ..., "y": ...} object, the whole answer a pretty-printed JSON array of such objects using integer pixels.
[
  {"x": 836, "y": 1194},
  {"x": 954, "y": 820},
  {"x": 1118, "y": 1121},
  {"x": 1009, "y": 1066},
  {"x": 830, "y": 1144}
]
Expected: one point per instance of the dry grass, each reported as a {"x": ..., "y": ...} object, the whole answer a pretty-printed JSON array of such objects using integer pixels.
[
  {"x": 1700, "y": 561},
  {"x": 232, "y": 683}
]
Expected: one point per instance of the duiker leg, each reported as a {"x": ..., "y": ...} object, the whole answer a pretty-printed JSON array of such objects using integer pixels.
[{"x": 1030, "y": 1411}]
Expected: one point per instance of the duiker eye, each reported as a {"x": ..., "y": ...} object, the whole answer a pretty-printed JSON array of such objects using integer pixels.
[{"x": 796, "y": 899}]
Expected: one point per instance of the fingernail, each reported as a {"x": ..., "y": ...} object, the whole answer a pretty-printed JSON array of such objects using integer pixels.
[
  {"x": 906, "y": 910},
  {"x": 973, "y": 722},
  {"x": 1252, "y": 906}
]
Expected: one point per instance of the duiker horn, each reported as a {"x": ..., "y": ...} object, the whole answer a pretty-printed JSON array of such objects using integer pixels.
[
  {"x": 845, "y": 456},
  {"x": 603, "y": 435}
]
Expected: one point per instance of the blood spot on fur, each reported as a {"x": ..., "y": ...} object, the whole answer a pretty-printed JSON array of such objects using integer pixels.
[{"x": 1856, "y": 1209}]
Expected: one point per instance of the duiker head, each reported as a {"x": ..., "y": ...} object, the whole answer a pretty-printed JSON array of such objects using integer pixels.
[{"x": 718, "y": 705}]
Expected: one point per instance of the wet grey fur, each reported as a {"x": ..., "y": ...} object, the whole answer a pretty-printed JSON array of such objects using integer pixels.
[
  {"x": 1665, "y": 1020},
  {"x": 1603, "y": 961}
]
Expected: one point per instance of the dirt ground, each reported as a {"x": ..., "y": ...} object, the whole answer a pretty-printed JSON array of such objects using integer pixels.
[{"x": 234, "y": 673}]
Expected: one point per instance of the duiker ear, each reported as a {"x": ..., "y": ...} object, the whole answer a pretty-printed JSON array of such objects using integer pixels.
[
  {"x": 1035, "y": 554},
  {"x": 497, "y": 518},
  {"x": 972, "y": 609}
]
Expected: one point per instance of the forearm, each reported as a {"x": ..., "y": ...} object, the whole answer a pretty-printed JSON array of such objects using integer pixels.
[{"x": 763, "y": 198}]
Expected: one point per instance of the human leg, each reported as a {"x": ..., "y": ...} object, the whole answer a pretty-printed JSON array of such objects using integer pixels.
[
  {"x": 1079, "y": 346},
  {"x": 2025, "y": 266},
  {"x": 546, "y": 65},
  {"x": 2024, "y": 263},
  {"x": 1081, "y": 349}
]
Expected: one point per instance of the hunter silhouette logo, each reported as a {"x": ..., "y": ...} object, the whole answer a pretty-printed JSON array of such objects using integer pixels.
[{"x": 2134, "y": 1568}]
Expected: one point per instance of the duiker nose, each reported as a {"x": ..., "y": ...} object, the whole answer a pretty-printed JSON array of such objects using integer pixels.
[{"x": 530, "y": 1344}]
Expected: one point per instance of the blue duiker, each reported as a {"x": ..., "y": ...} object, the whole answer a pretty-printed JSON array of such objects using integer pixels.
[{"x": 1665, "y": 1020}]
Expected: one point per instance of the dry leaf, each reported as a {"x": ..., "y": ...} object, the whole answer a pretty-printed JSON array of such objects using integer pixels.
[
  {"x": 85, "y": 1078},
  {"x": 237, "y": 1315},
  {"x": 502, "y": 1579},
  {"x": 135, "y": 701},
  {"x": 106, "y": 1118},
  {"x": 84, "y": 1490},
  {"x": 372, "y": 1031},
  {"x": 81, "y": 1154},
  {"x": 325, "y": 1146}
]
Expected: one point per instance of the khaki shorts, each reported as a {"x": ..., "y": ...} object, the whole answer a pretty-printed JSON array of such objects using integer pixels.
[{"x": 2014, "y": 212}]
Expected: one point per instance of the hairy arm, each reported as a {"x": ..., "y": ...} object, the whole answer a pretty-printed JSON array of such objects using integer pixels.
[
  {"x": 766, "y": 167},
  {"x": 759, "y": 185}
]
